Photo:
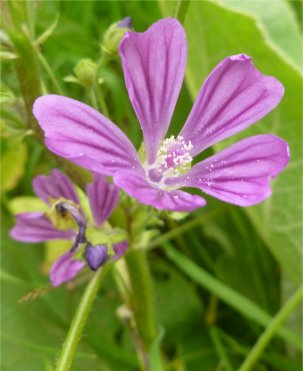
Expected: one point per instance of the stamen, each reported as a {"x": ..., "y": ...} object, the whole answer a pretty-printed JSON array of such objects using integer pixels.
[
  {"x": 63, "y": 208},
  {"x": 173, "y": 157}
]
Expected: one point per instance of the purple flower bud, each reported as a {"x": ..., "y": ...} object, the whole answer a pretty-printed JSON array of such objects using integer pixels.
[
  {"x": 126, "y": 22},
  {"x": 95, "y": 255}
]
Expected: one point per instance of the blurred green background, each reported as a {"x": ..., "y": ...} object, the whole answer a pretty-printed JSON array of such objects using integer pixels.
[{"x": 252, "y": 257}]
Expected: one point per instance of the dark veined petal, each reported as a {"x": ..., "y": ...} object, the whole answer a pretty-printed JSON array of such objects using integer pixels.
[
  {"x": 136, "y": 186},
  {"x": 65, "y": 269},
  {"x": 234, "y": 96},
  {"x": 36, "y": 227},
  {"x": 154, "y": 63},
  {"x": 241, "y": 173},
  {"x": 103, "y": 197},
  {"x": 84, "y": 136},
  {"x": 54, "y": 186}
]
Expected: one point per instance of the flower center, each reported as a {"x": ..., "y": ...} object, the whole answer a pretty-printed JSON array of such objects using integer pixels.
[{"x": 173, "y": 159}]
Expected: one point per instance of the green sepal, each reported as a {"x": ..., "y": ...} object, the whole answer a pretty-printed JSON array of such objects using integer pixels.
[
  {"x": 105, "y": 237},
  {"x": 111, "y": 40},
  {"x": 177, "y": 216},
  {"x": 79, "y": 253}
]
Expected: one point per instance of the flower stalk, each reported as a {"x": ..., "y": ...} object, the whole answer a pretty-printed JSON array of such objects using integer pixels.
[
  {"x": 78, "y": 323},
  {"x": 141, "y": 296}
]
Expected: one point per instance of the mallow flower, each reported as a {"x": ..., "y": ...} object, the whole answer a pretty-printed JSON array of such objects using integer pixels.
[
  {"x": 234, "y": 96},
  {"x": 65, "y": 219}
]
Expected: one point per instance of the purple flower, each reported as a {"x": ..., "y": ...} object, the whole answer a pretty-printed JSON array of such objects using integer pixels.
[
  {"x": 38, "y": 227},
  {"x": 234, "y": 96}
]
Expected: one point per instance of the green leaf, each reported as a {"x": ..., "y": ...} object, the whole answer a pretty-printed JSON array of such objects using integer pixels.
[
  {"x": 277, "y": 21},
  {"x": 223, "y": 32},
  {"x": 245, "y": 265},
  {"x": 178, "y": 306},
  {"x": 13, "y": 166},
  {"x": 156, "y": 363},
  {"x": 47, "y": 33},
  {"x": 6, "y": 56}
]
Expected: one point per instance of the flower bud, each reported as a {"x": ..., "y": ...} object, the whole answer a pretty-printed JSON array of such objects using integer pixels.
[
  {"x": 126, "y": 22},
  {"x": 95, "y": 255},
  {"x": 113, "y": 36},
  {"x": 85, "y": 72}
]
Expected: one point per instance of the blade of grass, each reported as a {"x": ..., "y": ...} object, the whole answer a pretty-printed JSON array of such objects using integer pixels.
[
  {"x": 271, "y": 330},
  {"x": 226, "y": 294},
  {"x": 220, "y": 349}
]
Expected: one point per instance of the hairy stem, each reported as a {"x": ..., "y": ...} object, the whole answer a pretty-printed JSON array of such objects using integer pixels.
[
  {"x": 76, "y": 329},
  {"x": 141, "y": 296}
]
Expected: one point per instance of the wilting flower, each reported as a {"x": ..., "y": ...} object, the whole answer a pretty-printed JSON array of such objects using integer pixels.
[
  {"x": 234, "y": 96},
  {"x": 58, "y": 192}
]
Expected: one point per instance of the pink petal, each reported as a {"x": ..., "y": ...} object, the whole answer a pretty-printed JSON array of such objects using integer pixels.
[
  {"x": 103, "y": 197},
  {"x": 36, "y": 227},
  {"x": 234, "y": 96},
  {"x": 65, "y": 269},
  {"x": 54, "y": 186},
  {"x": 79, "y": 133},
  {"x": 136, "y": 186},
  {"x": 154, "y": 63},
  {"x": 240, "y": 174}
]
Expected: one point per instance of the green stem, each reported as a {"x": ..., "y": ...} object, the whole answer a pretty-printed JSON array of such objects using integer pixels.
[
  {"x": 181, "y": 9},
  {"x": 183, "y": 228},
  {"x": 141, "y": 296},
  {"x": 29, "y": 78},
  {"x": 92, "y": 96},
  {"x": 102, "y": 102},
  {"x": 76, "y": 329},
  {"x": 50, "y": 73},
  {"x": 271, "y": 329}
]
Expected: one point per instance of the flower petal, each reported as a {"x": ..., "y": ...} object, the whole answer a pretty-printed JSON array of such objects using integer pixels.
[
  {"x": 65, "y": 269},
  {"x": 154, "y": 63},
  {"x": 136, "y": 185},
  {"x": 241, "y": 173},
  {"x": 84, "y": 136},
  {"x": 54, "y": 186},
  {"x": 103, "y": 197},
  {"x": 234, "y": 96},
  {"x": 36, "y": 227},
  {"x": 119, "y": 249}
]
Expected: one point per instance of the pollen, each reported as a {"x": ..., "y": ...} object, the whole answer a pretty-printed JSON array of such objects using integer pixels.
[{"x": 174, "y": 155}]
